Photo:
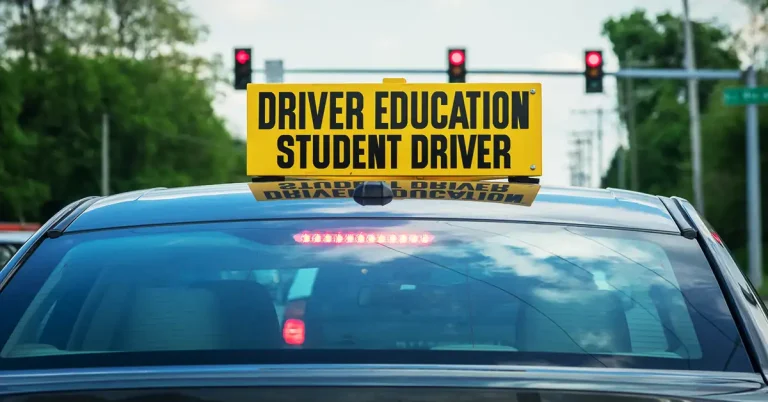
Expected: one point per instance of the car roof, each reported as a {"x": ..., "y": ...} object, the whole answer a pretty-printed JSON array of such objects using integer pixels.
[{"x": 233, "y": 202}]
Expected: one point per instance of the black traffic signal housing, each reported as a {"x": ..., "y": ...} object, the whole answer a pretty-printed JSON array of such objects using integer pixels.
[
  {"x": 242, "y": 57},
  {"x": 593, "y": 71},
  {"x": 457, "y": 65}
]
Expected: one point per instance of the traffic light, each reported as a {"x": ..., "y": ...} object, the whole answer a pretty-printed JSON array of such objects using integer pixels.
[
  {"x": 242, "y": 68},
  {"x": 593, "y": 71},
  {"x": 457, "y": 65}
]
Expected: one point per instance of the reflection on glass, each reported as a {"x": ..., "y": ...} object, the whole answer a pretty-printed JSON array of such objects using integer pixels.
[{"x": 533, "y": 293}]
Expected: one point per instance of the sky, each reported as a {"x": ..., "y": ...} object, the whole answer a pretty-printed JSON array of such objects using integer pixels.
[{"x": 539, "y": 34}]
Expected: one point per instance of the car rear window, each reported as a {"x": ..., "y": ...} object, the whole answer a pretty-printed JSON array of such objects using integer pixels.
[{"x": 372, "y": 291}]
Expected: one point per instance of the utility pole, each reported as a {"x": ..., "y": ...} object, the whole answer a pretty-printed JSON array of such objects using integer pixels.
[
  {"x": 599, "y": 112},
  {"x": 600, "y": 145},
  {"x": 622, "y": 167},
  {"x": 576, "y": 164},
  {"x": 622, "y": 163},
  {"x": 632, "y": 133},
  {"x": 574, "y": 157},
  {"x": 581, "y": 162},
  {"x": 104, "y": 154},
  {"x": 589, "y": 151},
  {"x": 693, "y": 111},
  {"x": 754, "y": 218},
  {"x": 628, "y": 110}
]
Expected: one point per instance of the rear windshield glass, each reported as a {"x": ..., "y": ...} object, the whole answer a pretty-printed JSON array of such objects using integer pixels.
[{"x": 368, "y": 291}]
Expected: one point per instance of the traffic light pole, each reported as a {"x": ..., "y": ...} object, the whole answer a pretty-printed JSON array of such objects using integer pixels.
[
  {"x": 754, "y": 218},
  {"x": 693, "y": 111}
]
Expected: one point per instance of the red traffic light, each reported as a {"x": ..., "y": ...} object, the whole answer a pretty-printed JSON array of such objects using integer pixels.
[
  {"x": 242, "y": 57},
  {"x": 456, "y": 57},
  {"x": 594, "y": 59}
]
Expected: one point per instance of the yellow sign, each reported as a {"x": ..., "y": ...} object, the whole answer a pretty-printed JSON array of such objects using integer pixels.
[
  {"x": 394, "y": 129},
  {"x": 375, "y": 178},
  {"x": 502, "y": 193}
]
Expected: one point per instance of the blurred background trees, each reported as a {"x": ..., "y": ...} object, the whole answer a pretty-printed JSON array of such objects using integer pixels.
[
  {"x": 661, "y": 113},
  {"x": 65, "y": 62}
]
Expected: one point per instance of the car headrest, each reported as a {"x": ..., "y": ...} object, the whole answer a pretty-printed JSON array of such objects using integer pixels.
[
  {"x": 173, "y": 319},
  {"x": 247, "y": 313},
  {"x": 573, "y": 321}
]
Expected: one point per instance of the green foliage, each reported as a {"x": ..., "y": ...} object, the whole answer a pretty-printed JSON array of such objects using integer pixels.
[
  {"x": 661, "y": 115},
  {"x": 662, "y": 131},
  {"x": 20, "y": 196},
  {"x": 67, "y": 64}
]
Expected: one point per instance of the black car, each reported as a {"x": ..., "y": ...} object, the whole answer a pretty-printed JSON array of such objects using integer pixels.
[{"x": 293, "y": 291}]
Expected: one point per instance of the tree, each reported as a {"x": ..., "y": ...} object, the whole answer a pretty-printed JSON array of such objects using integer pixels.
[
  {"x": 661, "y": 114},
  {"x": 21, "y": 196},
  {"x": 68, "y": 62},
  {"x": 662, "y": 132},
  {"x": 752, "y": 39}
]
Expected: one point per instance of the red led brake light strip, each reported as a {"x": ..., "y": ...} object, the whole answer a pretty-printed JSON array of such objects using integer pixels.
[{"x": 363, "y": 238}]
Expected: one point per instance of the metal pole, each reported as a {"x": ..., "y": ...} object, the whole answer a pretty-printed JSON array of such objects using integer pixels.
[
  {"x": 693, "y": 111},
  {"x": 590, "y": 168},
  {"x": 754, "y": 220},
  {"x": 600, "y": 147},
  {"x": 599, "y": 134},
  {"x": 582, "y": 160},
  {"x": 632, "y": 133},
  {"x": 104, "y": 154},
  {"x": 622, "y": 167},
  {"x": 622, "y": 110},
  {"x": 584, "y": 143},
  {"x": 573, "y": 163}
]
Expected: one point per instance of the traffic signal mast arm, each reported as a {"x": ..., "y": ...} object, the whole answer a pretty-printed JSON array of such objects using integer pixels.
[
  {"x": 459, "y": 57},
  {"x": 657, "y": 73}
]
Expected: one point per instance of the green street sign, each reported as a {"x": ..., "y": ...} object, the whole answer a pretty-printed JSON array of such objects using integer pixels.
[{"x": 745, "y": 96}]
